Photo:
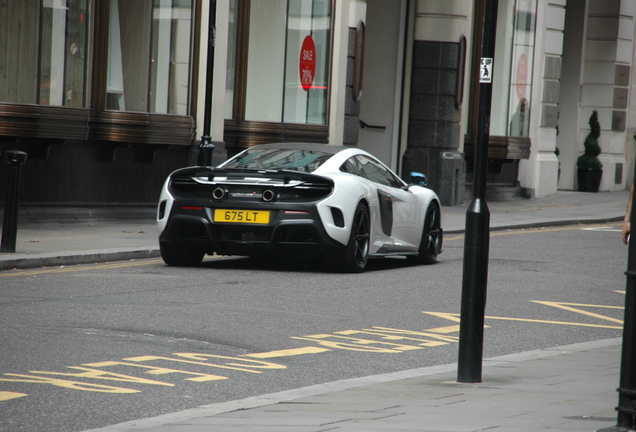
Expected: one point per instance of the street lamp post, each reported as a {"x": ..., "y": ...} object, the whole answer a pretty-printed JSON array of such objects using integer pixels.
[
  {"x": 206, "y": 147},
  {"x": 477, "y": 241}
]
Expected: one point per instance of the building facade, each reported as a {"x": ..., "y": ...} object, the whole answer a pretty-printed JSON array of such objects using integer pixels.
[{"x": 107, "y": 97}]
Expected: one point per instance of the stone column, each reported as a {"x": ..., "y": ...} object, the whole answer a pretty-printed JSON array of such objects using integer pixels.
[{"x": 434, "y": 122}]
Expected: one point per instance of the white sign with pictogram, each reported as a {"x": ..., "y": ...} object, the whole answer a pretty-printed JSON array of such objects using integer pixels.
[{"x": 485, "y": 71}]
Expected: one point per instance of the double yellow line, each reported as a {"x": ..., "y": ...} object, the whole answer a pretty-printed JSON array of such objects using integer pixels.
[{"x": 79, "y": 268}]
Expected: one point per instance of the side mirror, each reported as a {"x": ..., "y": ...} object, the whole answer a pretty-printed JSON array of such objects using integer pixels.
[{"x": 418, "y": 178}]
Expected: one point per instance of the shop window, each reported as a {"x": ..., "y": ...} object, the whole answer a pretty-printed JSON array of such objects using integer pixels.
[
  {"x": 117, "y": 70},
  {"x": 278, "y": 71},
  {"x": 149, "y": 57},
  {"x": 287, "y": 61},
  {"x": 514, "y": 56},
  {"x": 512, "y": 78},
  {"x": 44, "y": 57},
  {"x": 231, "y": 60},
  {"x": 265, "y": 64}
]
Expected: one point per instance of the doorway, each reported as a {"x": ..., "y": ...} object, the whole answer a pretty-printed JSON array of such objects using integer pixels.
[{"x": 381, "y": 98}]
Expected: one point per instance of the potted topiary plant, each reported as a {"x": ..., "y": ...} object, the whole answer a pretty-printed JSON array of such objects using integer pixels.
[{"x": 589, "y": 168}]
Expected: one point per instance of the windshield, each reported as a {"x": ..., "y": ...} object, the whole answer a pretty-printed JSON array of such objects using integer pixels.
[{"x": 276, "y": 159}]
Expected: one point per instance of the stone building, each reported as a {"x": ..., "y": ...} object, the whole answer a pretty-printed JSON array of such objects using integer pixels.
[{"x": 108, "y": 96}]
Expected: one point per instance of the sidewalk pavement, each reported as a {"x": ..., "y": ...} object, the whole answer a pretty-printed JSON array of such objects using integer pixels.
[
  {"x": 568, "y": 388},
  {"x": 562, "y": 389}
]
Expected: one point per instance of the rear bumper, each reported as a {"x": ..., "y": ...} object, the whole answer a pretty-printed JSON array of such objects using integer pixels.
[{"x": 288, "y": 233}]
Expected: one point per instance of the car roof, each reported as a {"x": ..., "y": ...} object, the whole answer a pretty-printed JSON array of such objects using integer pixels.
[{"x": 324, "y": 148}]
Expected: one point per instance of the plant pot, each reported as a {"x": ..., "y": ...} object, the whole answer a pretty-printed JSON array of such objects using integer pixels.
[{"x": 589, "y": 180}]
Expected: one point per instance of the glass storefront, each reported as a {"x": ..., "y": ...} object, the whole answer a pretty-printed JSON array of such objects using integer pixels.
[
  {"x": 149, "y": 57},
  {"x": 63, "y": 56},
  {"x": 148, "y": 60},
  {"x": 307, "y": 61},
  {"x": 231, "y": 60},
  {"x": 288, "y": 60},
  {"x": 514, "y": 59},
  {"x": 59, "y": 76}
]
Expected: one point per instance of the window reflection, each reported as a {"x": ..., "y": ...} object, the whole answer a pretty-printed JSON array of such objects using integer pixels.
[
  {"x": 370, "y": 169},
  {"x": 63, "y": 52},
  {"x": 514, "y": 58},
  {"x": 268, "y": 159},
  {"x": 231, "y": 60},
  {"x": 288, "y": 61},
  {"x": 149, "y": 57}
]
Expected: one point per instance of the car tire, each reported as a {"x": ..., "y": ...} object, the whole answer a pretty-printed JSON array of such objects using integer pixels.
[
  {"x": 179, "y": 256},
  {"x": 432, "y": 237},
  {"x": 354, "y": 257}
]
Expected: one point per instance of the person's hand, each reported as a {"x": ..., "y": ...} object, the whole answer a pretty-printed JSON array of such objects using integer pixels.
[{"x": 626, "y": 231}]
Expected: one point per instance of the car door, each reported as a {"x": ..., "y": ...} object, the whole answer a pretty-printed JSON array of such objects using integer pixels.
[
  {"x": 398, "y": 213},
  {"x": 380, "y": 207}
]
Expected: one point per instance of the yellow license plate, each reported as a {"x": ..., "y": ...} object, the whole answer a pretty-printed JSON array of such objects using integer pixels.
[{"x": 241, "y": 216}]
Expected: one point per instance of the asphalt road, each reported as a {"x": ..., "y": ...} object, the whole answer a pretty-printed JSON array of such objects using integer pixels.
[{"x": 89, "y": 346}]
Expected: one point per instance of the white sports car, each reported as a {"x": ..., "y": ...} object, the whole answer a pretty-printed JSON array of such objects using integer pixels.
[{"x": 299, "y": 200}]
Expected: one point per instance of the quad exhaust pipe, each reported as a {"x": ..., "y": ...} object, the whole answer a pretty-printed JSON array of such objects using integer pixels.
[
  {"x": 269, "y": 195},
  {"x": 219, "y": 194}
]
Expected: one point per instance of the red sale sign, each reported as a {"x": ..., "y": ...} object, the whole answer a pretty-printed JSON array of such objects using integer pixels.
[{"x": 307, "y": 63}]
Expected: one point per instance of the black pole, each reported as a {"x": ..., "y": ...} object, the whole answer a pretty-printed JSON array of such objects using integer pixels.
[
  {"x": 15, "y": 159},
  {"x": 627, "y": 386},
  {"x": 627, "y": 391},
  {"x": 206, "y": 147},
  {"x": 477, "y": 241}
]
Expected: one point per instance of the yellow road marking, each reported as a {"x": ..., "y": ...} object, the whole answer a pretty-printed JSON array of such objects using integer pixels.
[
  {"x": 103, "y": 375},
  {"x": 78, "y": 268},
  {"x": 448, "y": 316},
  {"x": 455, "y": 317},
  {"x": 449, "y": 329},
  {"x": 566, "y": 306},
  {"x": 357, "y": 344},
  {"x": 7, "y": 395},
  {"x": 74, "y": 385},
  {"x": 536, "y": 230},
  {"x": 554, "y": 322},
  {"x": 288, "y": 352}
]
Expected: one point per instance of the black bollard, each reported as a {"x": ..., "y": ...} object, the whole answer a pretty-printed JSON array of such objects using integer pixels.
[
  {"x": 15, "y": 159},
  {"x": 205, "y": 151}
]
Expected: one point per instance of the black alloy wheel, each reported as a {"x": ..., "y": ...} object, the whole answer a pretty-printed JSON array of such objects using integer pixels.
[{"x": 432, "y": 235}]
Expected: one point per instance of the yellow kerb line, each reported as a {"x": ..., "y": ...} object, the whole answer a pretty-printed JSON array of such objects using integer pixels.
[
  {"x": 78, "y": 268},
  {"x": 533, "y": 230}
]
